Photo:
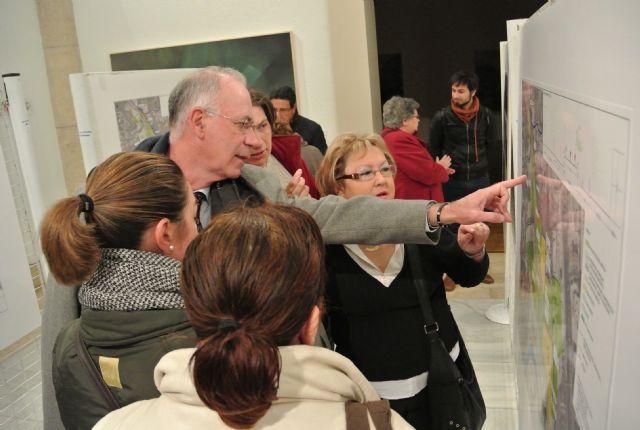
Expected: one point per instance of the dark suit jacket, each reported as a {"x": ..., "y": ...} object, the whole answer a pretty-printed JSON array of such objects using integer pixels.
[{"x": 310, "y": 131}]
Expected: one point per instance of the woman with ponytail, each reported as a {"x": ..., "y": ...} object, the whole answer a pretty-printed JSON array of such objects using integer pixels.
[
  {"x": 253, "y": 284},
  {"x": 122, "y": 240}
]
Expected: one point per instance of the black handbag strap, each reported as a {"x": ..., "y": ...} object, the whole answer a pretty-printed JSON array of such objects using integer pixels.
[
  {"x": 431, "y": 326},
  {"x": 94, "y": 373}
]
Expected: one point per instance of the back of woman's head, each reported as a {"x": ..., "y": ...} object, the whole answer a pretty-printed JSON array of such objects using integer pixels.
[
  {"x": 340, "y": 150},
  {"x": 123, "y": 196},
  {"x": 249, "y": 281}
]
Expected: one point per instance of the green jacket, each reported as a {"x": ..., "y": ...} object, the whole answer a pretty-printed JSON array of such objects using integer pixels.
[{"x": 125, "y": 346}]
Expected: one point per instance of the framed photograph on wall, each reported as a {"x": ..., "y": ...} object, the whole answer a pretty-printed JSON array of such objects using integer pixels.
[{"x": 266, "y": 60}]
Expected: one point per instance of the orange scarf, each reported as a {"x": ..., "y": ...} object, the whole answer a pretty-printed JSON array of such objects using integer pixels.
[{"x": 466, "y": 115}]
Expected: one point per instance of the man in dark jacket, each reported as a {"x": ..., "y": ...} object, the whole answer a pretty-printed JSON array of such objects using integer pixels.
[
  {"x": 463, "y": 130},
  {"x": 284, "y": 103}
]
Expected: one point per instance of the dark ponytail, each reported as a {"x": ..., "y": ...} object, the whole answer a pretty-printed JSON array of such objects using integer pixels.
[{"x": 239, "y": 386}]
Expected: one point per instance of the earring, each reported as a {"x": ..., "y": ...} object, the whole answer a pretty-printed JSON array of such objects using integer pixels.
[{"x": 171, "y": 248}]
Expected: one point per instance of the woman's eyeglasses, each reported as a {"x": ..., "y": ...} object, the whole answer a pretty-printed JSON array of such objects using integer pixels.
[{"x": 367, "y": 174}]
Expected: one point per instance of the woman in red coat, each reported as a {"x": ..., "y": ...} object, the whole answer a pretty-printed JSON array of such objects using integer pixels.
[{"x": 419, "y": 175}]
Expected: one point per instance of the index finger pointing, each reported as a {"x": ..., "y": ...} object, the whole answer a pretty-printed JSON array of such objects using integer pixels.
[{"x": 510, "y": 183}]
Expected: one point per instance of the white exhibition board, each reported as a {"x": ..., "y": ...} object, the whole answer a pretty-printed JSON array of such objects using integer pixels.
[
  {"x": 576, "y": 305},
  {"x": 510, "y": 72},
  {"x": 19, "y": 312},
  {"x": 116, "y": 110},
  {"x": 574, "y": 151}
]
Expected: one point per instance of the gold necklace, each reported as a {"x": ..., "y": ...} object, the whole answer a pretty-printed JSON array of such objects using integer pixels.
[{"x": 371, "y": 248}]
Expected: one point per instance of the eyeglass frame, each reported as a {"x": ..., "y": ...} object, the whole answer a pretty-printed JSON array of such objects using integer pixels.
[
  {"x": 245, "y": 124},
  {"x": 358, "y": 176}
]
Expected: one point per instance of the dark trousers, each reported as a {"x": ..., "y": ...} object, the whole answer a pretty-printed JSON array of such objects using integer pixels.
[
  {"x": 455, "y": 189},
  {"x": 414, "y": 410}
]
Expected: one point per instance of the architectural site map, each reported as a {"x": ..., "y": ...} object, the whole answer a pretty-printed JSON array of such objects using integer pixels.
[{"x": 570, "y": 249}]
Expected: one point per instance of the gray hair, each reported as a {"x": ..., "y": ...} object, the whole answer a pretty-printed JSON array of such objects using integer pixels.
[
  {"x": 198, "y": 88},
  {"x": 397, "y": 109}
]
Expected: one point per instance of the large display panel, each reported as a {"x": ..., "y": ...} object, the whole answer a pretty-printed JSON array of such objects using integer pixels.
[
  {"x": 576, "y": 310},
  {"x": 575, "y": 151}
]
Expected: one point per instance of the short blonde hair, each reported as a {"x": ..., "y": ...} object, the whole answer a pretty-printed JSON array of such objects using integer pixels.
[{"x": 342, "y": 147}]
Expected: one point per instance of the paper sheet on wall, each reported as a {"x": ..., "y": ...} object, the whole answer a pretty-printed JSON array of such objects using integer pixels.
[{"x": 116, "y": 110}]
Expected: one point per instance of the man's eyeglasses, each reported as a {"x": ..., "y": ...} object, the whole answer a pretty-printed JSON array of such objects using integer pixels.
[
  {"x": 245, "y": 124},
  {"x": 367, "y": 174}
]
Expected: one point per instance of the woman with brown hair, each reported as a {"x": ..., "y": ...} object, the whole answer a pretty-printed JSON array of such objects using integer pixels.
[
  {"x": 374, "y": 312},
  {"x": 123, "y": 240},
  {"x": 280, "y": 155},
  {"x": 253, "y": 284}
]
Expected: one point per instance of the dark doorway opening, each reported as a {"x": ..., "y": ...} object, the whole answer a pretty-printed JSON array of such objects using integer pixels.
[{"x": 422, "y": 43}]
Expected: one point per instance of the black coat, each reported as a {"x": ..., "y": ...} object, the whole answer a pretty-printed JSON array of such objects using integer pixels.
[
  {"x": 451, "y": 136},
  {"x": 310, "y": 131}
]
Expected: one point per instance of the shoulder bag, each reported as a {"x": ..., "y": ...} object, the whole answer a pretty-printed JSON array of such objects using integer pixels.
[{"x": 453, "y": 393}]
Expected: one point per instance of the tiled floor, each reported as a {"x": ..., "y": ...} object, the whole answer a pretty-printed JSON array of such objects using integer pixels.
[
  {"x": 489, "y": 345},
  {"x": 21, "y": 386}
]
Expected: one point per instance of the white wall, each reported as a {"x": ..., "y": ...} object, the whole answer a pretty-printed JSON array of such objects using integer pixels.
[
  {"x": 21, "y": 52},
  {"x": 330, "y": 47},
  {"x": 590, "y": 48}
]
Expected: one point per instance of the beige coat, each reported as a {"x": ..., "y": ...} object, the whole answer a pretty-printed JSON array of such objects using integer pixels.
[{"x": 315, "y": 384}]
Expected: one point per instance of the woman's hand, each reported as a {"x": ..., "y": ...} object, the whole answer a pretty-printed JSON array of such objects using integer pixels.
[
  {"x": 445, "y": 162},
  {"x": 472, "y": 239},
  {"x": 296, "y": 186}
]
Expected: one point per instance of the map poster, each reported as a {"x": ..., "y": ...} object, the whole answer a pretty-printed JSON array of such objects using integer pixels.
[
  {"x": 572, "y": 216},
  {"x": 141, "y": 118}
]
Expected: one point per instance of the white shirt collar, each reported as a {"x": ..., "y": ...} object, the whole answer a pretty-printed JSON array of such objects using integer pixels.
[{"x": 391, "y": 272}]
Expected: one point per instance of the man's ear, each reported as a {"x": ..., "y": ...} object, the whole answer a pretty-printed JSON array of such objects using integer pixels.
[
  {"x": 310, "y": 328},
  {"x": 164, "y": 235},
  {"x": 473, "y": 93},
  {"x": 294, "y": 107},
  {"x": 195, "y": 120}
]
